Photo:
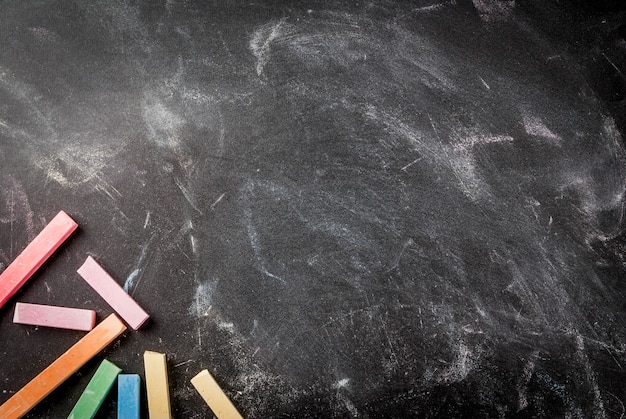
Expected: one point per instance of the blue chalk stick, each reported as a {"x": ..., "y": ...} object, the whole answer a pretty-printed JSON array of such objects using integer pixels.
[{"x": 128, "y": 396}]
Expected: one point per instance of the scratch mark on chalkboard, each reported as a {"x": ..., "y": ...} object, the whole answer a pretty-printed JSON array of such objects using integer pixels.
[
  {"x": 188, "y": 195},
  {"x": 180, "y": 364},
  {"x": 410, "y": 164},
  {"x": 613, "y": 64},
  {"x": 217, "y": 201},
  {"x": 108, "y": 192},
  {"x": 194, "y": 244},
  {"x": 147, "y": 220},
  {"x": 254, "y": 239},
  {"x": 255, "y": 242}
]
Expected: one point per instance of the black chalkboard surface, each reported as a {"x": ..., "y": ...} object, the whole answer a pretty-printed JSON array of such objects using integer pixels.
[{"x": 340, "y": 209}]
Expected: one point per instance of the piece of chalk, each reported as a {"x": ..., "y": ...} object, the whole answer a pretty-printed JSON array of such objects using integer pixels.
[
  {"x": 34, "y": 255},
  {"x": 54, "y": 316},
  {"x": 64, "y": 366},
  {"x": 157, "y": 385},
  {"x": 96, "y": 391},
  {"x": 113, "y": 293},
  {"x": 128, "y": 396},
  {"x": 213, "y": 395}
]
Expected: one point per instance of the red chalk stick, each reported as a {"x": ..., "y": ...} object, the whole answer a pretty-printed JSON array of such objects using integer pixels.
[
  {"x": 54, "y": 316},
  {"x": 35, "y": 254},
  {"x": 113, "y": 293}
]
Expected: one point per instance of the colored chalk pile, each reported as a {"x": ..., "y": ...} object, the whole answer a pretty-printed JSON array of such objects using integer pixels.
[{"x": 93, "y": 342}]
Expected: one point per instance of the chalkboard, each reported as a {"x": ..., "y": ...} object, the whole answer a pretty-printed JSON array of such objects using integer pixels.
[{"x": 340, "y": 209}]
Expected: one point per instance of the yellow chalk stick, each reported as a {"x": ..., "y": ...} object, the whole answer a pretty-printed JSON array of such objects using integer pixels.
[
  {"x": 61, "y": 369},
  {"x": 213, "y": 395},
  {"x": 157, "y": 386}
]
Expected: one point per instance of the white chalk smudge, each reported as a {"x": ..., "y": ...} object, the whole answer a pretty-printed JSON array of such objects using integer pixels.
[
  {"x": 599, "y": 411},
  {"x": 534, "y": 126},
  {"x": 261, "y": 43},
  {"x": 230, "y": 326},
  {"x": 251, "y": 378},
  {"x": 342, "y": 383},
  {"x": 469, "y": 142},
  {"x": 461, "y": 367},
  {"x": 133, "y": 279},
  {"x": 434, "y": 7},
  {"x": 459, "y": 161},
  {"x": 130, "y": 280},
  {"x": 348, "y": 404},
  {"x": 494, "y": 10},
  {"x": 162, "y": 123},
  {"x": 203, "y": 299},
  {"x": 522, "y": 386},
  {"x": 17, "y": 206}
]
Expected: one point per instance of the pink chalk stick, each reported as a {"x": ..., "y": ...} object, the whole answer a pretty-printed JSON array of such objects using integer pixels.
[
  {"x": 113, "y": 293},
  {"x": 34, "y": 255},
  {"x": 54, "y": 316}
]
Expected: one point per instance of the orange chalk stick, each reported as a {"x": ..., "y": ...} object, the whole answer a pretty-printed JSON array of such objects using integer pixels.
[
  {"x": 35, "y": 254},
  {"x": 61, "y": 369}
]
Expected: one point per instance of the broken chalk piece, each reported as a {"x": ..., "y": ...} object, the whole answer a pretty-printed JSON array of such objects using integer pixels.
[
  {"x": 54, "y": 316},
  {"x": 96, "y": 391},
  {"x": 34, "y": 255},
  {"x": 113, "y": 293},
  {"x": 213, "y": 395},
  {"x": 157, "y": 385},
  {"x": 128, "y": 396},
  {"x": 64, "y": 366}
]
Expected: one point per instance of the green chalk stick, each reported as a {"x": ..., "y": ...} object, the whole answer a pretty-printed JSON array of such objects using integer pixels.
[{"x": 96, "y": 391}]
